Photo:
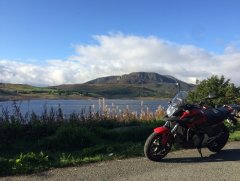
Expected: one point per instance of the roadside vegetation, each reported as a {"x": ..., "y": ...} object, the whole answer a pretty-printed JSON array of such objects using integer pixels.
[{"x": 31, "y": 143}]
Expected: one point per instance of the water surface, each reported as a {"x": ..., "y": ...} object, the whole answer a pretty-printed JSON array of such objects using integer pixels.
[{"x": 70, "y": 106}]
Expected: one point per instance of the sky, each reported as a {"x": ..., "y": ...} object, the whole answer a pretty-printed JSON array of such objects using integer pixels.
[{"x": 52, "y": 42}]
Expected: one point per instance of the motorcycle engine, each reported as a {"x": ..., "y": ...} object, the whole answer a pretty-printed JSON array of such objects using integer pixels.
[
  {"x": 192, "y": 138},
  {"x": 187, "y": 137}
]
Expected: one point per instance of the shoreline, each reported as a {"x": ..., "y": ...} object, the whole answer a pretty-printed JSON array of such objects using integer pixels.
[{"x": 29, "y": 98}]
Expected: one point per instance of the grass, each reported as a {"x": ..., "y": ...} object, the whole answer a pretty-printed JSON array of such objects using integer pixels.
[
  {"x": 234, "y": 132},
  {"x": 34, "y": 149},
  {"x": 235, "y": 136},
  {"x": 31, "y": 143}
]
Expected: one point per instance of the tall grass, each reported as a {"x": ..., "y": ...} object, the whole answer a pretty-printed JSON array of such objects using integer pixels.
[
  {"x": 93, "y": 113},
  {"x": 31, "y": 142}
]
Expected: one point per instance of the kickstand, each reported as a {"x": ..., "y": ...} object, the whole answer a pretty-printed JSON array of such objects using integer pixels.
[
  {"x": 200, "y": 145},
  {"x": 200, "y": 152}
]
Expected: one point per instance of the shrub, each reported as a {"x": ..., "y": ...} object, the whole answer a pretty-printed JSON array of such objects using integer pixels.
[
  {"x": 29, "y": 162},
  {"x": 128, "y": 134},
  {"x": 6, "y": 166},
  {"x": 24, "y": 163},
  {"x": 69, "y": 138}
]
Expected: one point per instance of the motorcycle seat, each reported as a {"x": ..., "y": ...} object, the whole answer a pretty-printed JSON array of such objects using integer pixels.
[{"x": 215, "y": 116}]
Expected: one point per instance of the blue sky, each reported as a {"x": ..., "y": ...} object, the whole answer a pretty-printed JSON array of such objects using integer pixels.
[{"x": 38, "y": 37}]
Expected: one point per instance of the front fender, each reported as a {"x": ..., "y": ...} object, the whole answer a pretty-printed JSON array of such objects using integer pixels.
[
  {"x": 162, "y": 130},
  {"x": 165, "y": 132}
]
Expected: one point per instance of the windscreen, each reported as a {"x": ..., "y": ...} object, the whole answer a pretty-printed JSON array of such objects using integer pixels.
[{"x": 178, "y": 100}]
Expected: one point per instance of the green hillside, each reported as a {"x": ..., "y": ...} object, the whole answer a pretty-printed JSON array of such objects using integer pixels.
[
  {"x": 138, "y": 84},
  {"x": 134, "y": 85},
  {"x": 22, "y": 91}
]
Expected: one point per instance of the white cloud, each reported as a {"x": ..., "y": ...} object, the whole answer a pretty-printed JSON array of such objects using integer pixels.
[{"x": 117, "y": 54}]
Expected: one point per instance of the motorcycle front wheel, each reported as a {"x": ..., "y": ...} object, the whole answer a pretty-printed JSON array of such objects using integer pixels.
[
  {"x": 219, "y": 142},
  {"x": 154, "y": 149}
]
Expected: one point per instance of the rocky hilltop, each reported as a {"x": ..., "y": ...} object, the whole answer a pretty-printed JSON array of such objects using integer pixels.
[
  {"x": 133, "y": 85},
  {"x": 136, "y": 78}
]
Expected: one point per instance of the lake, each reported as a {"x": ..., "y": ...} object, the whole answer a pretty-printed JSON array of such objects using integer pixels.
[{"x": 70, "y": 106}]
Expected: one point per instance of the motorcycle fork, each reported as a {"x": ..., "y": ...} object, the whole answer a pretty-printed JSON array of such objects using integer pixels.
[
  {"x": 167, "y": 134},
  {"x": 173, "y": 130}
]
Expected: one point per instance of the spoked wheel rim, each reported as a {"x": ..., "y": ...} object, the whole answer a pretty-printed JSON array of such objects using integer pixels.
[
  {"x": 158, "y": 149},
  {"x": 158, "y": 145}
]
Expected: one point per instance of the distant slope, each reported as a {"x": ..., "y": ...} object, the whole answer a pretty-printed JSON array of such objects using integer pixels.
[
  {"x": 133, "y": 85},
  {"x": 22, "y": 91},
  {"x": 135, "y": 78}
]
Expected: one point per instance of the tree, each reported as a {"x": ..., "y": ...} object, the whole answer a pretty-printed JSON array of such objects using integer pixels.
[
  {"x": 197, "y": 82},
  {"x": 225, "y": 92}
]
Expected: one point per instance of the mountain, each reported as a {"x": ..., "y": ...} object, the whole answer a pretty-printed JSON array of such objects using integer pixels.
[
  {"x": 133, "y": 85},
  {"x": 135, "y": 78}
]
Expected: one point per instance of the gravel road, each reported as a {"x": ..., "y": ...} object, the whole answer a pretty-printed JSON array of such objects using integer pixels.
[{"x": 179, "y": 165}]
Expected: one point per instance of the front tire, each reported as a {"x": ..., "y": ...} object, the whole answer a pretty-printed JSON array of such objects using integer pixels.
[
  {"x": 154, "y": 149},
  {"x": 220, "y": 142}
]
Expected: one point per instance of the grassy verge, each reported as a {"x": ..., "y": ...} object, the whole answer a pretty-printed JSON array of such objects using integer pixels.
[
  {"x": 37, "y": 146},
  {"x": 31, "y": 143},
  {"x": 234, "y": 133},
  {"x": 235, "y": 136}
]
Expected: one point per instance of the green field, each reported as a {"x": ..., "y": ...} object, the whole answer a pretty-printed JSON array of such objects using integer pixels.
[{"x": 26, "y": 92}]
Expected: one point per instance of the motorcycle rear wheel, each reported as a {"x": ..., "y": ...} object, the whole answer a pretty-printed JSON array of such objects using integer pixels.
[
  {"x": 220, "y": 142},
  {"x": 154, "y": 149}
]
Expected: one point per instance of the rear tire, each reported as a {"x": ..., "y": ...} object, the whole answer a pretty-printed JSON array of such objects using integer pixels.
[
  {"x": 154, "y": 149},
  {"x": 220, "y": 142}
]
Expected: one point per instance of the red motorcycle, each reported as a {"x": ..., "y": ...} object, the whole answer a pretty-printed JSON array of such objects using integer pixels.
[{"x": 191, "y": 126}]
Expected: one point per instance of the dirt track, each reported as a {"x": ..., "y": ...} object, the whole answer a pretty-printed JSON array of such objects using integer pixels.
[{"x": 179, "y": 165}]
